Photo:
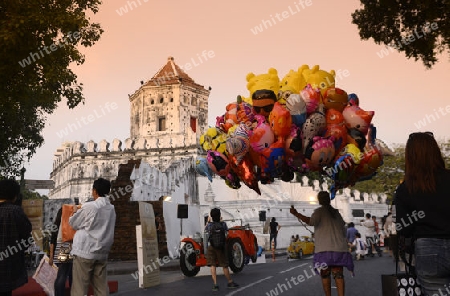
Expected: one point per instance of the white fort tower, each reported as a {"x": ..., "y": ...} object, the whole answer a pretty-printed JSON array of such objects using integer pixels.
[{"x": 168, "y": 114}]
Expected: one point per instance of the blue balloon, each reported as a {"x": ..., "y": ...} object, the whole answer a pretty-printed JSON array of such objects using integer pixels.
[
  {"x": 341, "y": 173},
  {"x": 202, "y": 167},
  {"x": 353, "y": 100},
  {"x": 298, "y": 119}
]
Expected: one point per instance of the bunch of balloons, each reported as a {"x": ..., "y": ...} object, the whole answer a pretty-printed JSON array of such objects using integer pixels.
[{"x": 298, "y": 124}]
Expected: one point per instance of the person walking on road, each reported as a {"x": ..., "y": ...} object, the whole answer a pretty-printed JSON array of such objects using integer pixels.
[
  {"x": 351, "y": 235},
  {"x": 422, "y": 204},
  {"x": 94, "y": 223},
  {"x": 216, "y": 254},
  {"x": 274, "y": 228},
  {"x": 377, "y": 231},
  {"x": 370, "y": 235},
  {"x": 351, "y": 232},
  {"x": 331, "y": 247}
]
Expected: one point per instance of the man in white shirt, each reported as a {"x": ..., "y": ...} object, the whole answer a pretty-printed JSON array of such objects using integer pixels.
[
  {"x": 94, "y": 223},
  {"x": 370, "y": 235}
]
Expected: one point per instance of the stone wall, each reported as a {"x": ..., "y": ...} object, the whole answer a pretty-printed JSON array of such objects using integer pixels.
[
  {"x": 127, "y": 216},
  {"x": 77, "y": 165}
]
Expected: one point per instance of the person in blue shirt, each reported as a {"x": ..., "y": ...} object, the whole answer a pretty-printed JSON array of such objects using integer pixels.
[{"x": 351, "y": 231}]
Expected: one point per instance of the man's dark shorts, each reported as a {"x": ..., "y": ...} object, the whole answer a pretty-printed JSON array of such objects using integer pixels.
[{"x": 216, "y": 256}]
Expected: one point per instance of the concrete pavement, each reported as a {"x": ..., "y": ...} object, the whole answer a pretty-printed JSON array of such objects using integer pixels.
[
  {"x": 255, "y": 280},
  {"x": 129, "y": 267}
]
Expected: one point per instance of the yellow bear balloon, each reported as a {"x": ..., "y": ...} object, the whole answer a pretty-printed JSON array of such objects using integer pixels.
[
  {"x": 292, "y": 83},
  {"x": 319, "y": 78},
  {"x": 270, "y": 81}
]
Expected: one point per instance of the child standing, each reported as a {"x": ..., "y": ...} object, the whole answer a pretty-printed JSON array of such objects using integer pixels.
[{"x": 360, "y": 247}]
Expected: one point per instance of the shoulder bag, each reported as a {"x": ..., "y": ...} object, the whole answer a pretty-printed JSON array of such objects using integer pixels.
[{"x": 402, "y": 283}]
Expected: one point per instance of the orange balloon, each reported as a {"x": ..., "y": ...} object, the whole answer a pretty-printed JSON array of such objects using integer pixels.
[
  {"x": 280, "y": 120},
  {"x": 336, "y": 128},
  {"x": 335, "y": 98},
  {"x": 370, "y": 161}
]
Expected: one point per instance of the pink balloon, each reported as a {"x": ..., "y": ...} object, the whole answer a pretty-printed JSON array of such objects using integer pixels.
[
  {"x": 311, "y": 97},
  {"x": 357, "y": 118},
  {"x": 320, "y": 153},
  {"x": 218, "y": 162},
  {"x": 262, "y": 135}
]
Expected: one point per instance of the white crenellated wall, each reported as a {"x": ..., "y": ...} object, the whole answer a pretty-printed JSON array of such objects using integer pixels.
[{"x": 76, "y": 165}]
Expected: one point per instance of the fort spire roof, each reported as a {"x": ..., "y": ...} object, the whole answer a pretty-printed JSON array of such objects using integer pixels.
[{"x": 170, "y": 74}]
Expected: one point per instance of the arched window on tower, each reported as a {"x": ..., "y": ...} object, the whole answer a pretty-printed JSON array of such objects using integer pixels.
[
  {"x": 152, "y": 102},
  {"x": 194, "y": 102},
  {"x": 161, "y": 100}
]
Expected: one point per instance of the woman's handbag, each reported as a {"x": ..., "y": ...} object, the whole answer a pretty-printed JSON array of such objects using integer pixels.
[
  {"x": 64, "y": 255},
  {"x": 401, "y": 283},
  {"x": 67, "y": 231}
]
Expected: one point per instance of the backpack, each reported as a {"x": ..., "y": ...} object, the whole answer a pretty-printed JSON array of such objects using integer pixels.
[{"x": 217, "y": 235}]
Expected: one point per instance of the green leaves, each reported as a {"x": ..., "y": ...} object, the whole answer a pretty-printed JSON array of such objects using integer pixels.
[
  {"x": 391, "y": 173},
  {"x": 404, "y": 22},
  {"x": 37, "y": 46}
]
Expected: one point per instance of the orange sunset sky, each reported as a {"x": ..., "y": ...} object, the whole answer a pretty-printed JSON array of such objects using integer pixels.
[{"x": 242, "y": 37}]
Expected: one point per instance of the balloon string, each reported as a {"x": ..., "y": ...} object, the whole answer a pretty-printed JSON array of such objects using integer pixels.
[{"x": 304, "y": 225}]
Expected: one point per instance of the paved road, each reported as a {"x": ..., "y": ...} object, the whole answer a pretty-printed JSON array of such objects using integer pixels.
[{"x": 282, "y": 277}]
